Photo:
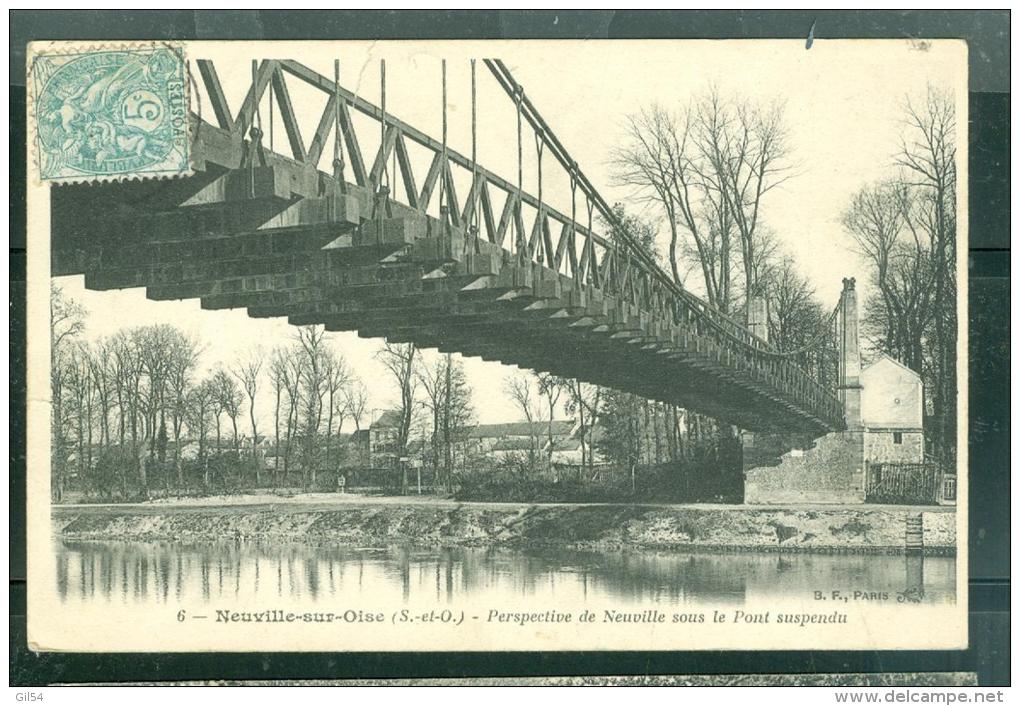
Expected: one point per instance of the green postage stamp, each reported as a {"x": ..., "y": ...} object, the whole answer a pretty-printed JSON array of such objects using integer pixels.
[{"x": 109, "y": 113}]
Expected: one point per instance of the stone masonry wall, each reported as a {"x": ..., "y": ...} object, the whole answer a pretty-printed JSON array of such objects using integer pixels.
[
  {"x": 784, "y": 469},
  {"x": 879, "y": 447}
]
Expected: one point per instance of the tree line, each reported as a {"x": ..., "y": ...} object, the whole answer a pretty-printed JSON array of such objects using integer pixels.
[
  {"x": 904, "y": 227},
  {"x": 125, "y": 406},
  {"x": 134, "y": 414},
  {"x": 435, "y": 405}
]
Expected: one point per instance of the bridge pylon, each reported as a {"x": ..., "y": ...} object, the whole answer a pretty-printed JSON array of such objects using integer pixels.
[
  {"x": 758, "y": 317},
  {"x": 849, "y": 387}
]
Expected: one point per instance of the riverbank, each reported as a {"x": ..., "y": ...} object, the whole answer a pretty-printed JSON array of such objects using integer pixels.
[{"x": 359, "y": 521}]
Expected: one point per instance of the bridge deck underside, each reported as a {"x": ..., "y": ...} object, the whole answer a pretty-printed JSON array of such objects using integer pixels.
[{"x": 282, "y": 240}]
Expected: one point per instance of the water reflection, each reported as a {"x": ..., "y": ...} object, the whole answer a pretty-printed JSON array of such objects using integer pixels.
[
  {"x": 167, "y": 572},
  {"x": 914, "y": 589}
]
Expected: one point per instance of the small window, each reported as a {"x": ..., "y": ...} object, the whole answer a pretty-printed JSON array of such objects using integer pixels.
[{"x": 897, "y": 437}]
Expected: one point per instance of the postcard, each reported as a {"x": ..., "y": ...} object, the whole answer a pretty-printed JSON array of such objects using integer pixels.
[{"x": 497, "y": 345}]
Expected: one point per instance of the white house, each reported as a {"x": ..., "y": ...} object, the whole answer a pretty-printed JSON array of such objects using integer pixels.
[{"x": 892, "y": 412}]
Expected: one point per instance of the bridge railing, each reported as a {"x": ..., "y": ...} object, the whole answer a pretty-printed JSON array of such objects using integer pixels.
[{"x": 523, "y": 227}]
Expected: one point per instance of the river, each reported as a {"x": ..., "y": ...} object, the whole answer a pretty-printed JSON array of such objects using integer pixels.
[{"x": 173, "y": 573}]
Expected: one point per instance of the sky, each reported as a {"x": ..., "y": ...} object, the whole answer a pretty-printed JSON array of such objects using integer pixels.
[{"x": 844, "y": 106}]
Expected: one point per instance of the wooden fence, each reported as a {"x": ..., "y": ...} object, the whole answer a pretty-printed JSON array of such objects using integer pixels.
[{"x": 904, "y": 483}]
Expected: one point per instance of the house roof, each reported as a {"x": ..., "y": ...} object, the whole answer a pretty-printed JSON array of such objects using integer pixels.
[
  {"x": 496, "y": 431},
  {"x": 512, "y": 444},
  {"x": 595, "y": 435},
  {"x": 882, "y": 357},
  {"x": 571, "y": 444},
  {"x": 390, "y": 419}
]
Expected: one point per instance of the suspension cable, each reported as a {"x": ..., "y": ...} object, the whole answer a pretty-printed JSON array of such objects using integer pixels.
[
  {"x": 444, "y": 192},
  {"x": 474, "y": 229},
  {"x": 573, "y": 217},
  {"x": 520, "y": 152},
  {"x": 271, "y": 121},
  {"x": 444, "y": 207},
  {"x": 539, "y": 149},
  {"x": 813, "y": 343},
  {"x": 520, "y": 171},
  {"x": 590, "y": 242},
  {"x": 382, "y": 190},
  {"x": 255, "y": 134},
  {"x": 474, "y": 121},
  {"x": 255, "y": 96},
  {"x": 384, "y": 177},
  {"x": 393, "y": 166},
  {"x": 338, "y": 145}
]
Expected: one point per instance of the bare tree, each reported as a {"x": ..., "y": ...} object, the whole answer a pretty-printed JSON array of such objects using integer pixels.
[
  {"x": 132, "y": 366},
  {"x": 586, "y": 401},
  {"x": 100, "y": 368},
  {"x": 660, "y": 159},
  {"x": 745, "y": 147},
  {"x": 708, "y": 168},
  {"x": 311, "y": 340},
  {"x": 121, "y": 356},
  {"x": 905, "y": 227},
  {"x": 247, "y": 372},
  {"x": 67, "y": 320},
  {"x": 137, "y": 379},
  {"x": 230, "y": 397},
  {"x": 356, "y": 401},
  {"x": 656, "y": 161},
  {"x": 154, "y": 344},
  {"x": 400, "y": 360},
  {"x": 928, "y": 159},
  {"x": 278, "y": 378},
  {"x": 448, "y": 399},
  {"x": 183, "y": 355},
  {"x": 459, "y": 412},
  {"x": 124, "y": 369},
  {"x": 78, "y": 380},
  {"x": 522, "y": 392},
  {"x": 293, "y": 374},
  {"x": 551, "y": 388},
  {"x": 202, "y": 403},
  {"x": 337, "y": 378},
  {"x": 431, "y": 378},
  {"x": 901, "y": 269},
  {"x": 795, "y": 317}
]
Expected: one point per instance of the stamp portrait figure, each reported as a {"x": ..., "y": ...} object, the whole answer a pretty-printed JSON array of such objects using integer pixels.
[{"x": 111, "y": 113}]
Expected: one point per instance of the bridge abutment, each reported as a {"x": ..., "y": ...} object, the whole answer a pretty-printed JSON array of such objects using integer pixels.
[
  {"x": 793, "y": 468},
  {"x": 798, "y": 468}
]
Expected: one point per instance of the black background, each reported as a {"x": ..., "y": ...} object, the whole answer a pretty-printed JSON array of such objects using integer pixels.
[{"x": 987, "y": 33}]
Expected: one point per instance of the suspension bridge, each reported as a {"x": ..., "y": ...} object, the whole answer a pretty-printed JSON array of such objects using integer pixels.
[{"x": 496, "y": 272}]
